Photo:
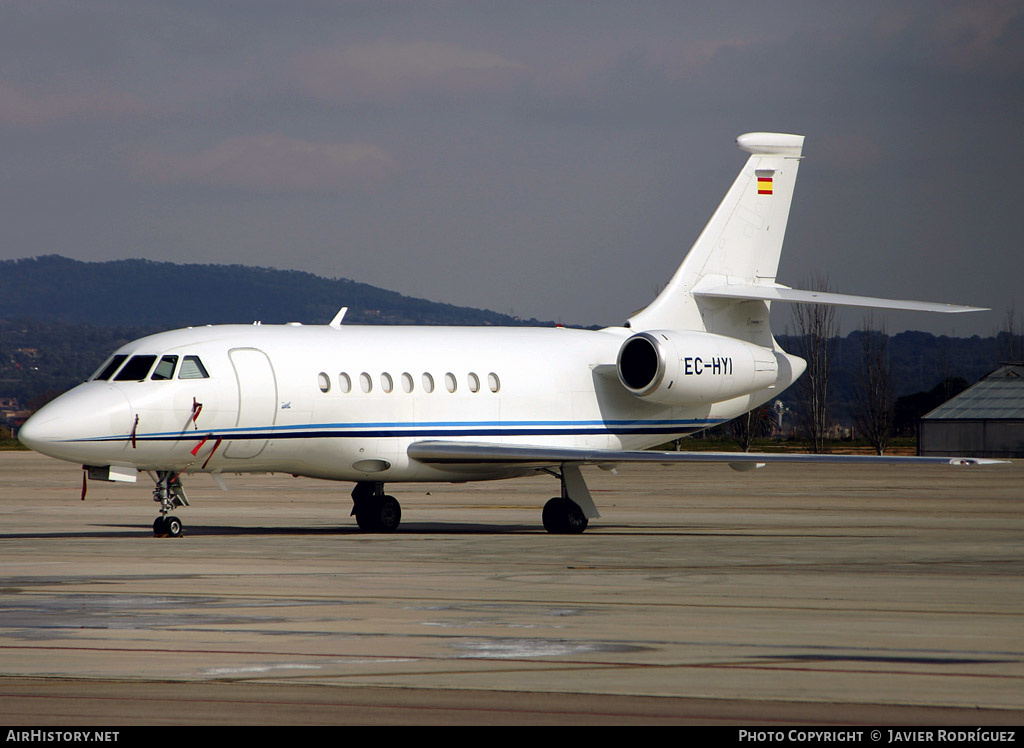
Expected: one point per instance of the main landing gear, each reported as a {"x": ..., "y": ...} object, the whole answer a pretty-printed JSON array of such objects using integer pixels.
[
  {"x": 170, "y": 494},
  {"x": 568, "y": 514},
  {"x": 374, "y": 511},
  {"x": 563, "y": 516}
]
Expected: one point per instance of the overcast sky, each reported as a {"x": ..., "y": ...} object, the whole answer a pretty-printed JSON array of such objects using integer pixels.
[{"x": 550, "y": 159}]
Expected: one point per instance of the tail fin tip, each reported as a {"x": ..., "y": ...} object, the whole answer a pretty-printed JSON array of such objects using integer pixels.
[{"x": 771, "y": 144}]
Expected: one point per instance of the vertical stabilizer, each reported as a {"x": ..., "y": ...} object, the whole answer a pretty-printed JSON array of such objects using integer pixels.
[{"x": 740, "y": 244}]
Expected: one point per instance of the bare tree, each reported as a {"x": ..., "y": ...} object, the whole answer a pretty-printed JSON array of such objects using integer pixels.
[
  {"x": 1011, "y": 342},
  {"x": 875, "y": 398},
  {"x": 817, "y": 333}
]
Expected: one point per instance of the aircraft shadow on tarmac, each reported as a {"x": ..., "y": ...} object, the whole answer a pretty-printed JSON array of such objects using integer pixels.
[{"x": 409, "y": 528}]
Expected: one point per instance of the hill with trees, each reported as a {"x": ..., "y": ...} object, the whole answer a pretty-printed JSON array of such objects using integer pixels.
[
  {"x": 166, "y": 295},
  {"x": 59, "y": 318}
]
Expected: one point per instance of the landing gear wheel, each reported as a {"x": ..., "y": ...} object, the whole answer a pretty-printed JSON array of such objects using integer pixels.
[
  {"x": 389, "y": 514},
  {"x": 379, "y": 514},
  {"x": 167, "y": 527},
  {"x": 365, "y": 521},
  {"x": 174, "y": 527},
  {"x": 564, "y": 517}
]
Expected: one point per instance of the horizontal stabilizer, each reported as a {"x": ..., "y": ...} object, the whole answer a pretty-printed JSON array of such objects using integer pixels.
[
  {"x": 469, "y": 453},
  {"x": 784, "y": 293}
]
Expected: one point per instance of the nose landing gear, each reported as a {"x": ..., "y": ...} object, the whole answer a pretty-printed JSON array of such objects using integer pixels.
[{"x": 170, "y": 494}]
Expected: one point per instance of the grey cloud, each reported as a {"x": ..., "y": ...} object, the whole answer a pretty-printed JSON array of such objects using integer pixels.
[
  {"x": 273, "y": 164},
  {"x": 21, "y": 109},
  {"x": 387, "y": 70}
]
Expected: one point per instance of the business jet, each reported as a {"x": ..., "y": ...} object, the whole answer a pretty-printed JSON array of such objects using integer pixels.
[{"x": 375, "y": 405}]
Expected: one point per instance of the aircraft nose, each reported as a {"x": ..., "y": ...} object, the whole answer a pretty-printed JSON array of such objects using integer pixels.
[{"x": 80, "y": 425}]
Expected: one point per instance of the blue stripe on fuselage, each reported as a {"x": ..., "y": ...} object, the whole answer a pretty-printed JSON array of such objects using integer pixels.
[{"x": 454, "y": 428}]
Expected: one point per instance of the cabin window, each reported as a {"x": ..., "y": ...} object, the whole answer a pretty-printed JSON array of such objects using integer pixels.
[
  {"x": 108, "y": 370},
  {"x": 406, "y": 382},
  {"x": 474, "y": 382},
  {"x": 323, "y": 382},
  {"x": 344, "y": 382},
  {"x": 165, "y": 369},
  {"x": 365, "y": 383},
  {"x": 450, "y": 382},
  {"x": 428, "y": 382},
  {"x": 492, "y": 382},
  {"x": 136, "y": 369},
  {"x": 192, "y": 368},
  {"x": 386, "y": 382}
]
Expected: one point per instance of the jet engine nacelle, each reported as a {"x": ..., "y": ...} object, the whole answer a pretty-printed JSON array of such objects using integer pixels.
[{"x": 689, "y": 368}]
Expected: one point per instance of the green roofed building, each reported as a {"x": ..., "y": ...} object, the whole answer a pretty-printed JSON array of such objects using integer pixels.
[{"x": 985, "y": 420}]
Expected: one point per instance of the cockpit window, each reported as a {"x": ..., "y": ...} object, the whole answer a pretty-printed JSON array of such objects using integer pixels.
[
  {"x": 192, "y": 368},
  {"x": 136, "y": 369},
  {"x": 106, "y": 371},
  {"x": 165, "y": 369}
]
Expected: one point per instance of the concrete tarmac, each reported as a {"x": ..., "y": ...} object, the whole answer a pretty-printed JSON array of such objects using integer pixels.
[{"x": 787, "y": 595}]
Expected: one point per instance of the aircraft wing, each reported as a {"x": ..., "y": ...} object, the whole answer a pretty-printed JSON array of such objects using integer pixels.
[{"x": 482, "y": 453}]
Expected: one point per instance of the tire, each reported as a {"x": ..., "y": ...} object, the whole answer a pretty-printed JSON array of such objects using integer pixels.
[
  {"x": 389, "y": 514},
  {"x": 564, "y": 517},
  {"x": 380, "y": 514},
  {"x": 575, "y": 520},
  {"x": 366, "y": 520},
  {"x": 174, "y": 527}
]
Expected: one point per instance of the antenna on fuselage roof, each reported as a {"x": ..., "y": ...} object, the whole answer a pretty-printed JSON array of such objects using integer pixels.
[{"x": 336, "y": 322}]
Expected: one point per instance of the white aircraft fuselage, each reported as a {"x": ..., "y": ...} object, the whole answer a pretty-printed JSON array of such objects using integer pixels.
[
  {"x": 345, "y": 402},
  {"x": 377, "y": 405}
]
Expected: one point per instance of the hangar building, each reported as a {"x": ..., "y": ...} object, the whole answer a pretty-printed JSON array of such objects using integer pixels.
[{"x": 985, "y": 420}]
